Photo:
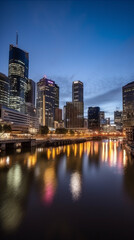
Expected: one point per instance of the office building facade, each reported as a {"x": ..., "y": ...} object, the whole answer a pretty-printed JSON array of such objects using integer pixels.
[
  {"x": 30, "y": 93},
  {"x": 19, "y": 121},
  {"x": 56, "y": 96},
  {"x": 74, "y": 111},
  {"x": 46, "y": 98},
  {"x": 4, "y": 90},
  {"x": 77, "y": 91},
  {"x": 118, "y": 120},
  {"x": 94, "y": 118},
  {"x": 74, "y": 115},
  {"x": 18, "y": 77},
  {"x": 58, "y": 114},
  {"x": 128, "y": 110}
]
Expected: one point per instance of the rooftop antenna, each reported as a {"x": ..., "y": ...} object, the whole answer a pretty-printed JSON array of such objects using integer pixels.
[{"x": 16, "y": 39}]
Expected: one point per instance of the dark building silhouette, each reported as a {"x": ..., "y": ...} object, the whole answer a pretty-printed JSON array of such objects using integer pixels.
[
  {"x": 94, "y": 118},
  {"x": 118, "y": 120},
  {"x": 77, "y": 91},
  {"x": 4, "y": 90},
  {"x": 18, "y": 77},
  {"x": 56, "y": 96},
  {"x": 58, "y": 114},
  {"x": 128, "y": 110},
  {"x": 30, "y": 96},
  {"x": 74, "y": 117}
]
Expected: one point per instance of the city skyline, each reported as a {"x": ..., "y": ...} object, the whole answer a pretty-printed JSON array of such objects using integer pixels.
[{"x": 90, "y": 41}]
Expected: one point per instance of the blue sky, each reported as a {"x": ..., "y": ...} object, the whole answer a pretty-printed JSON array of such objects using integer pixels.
[{"x": 90, "y": 41}]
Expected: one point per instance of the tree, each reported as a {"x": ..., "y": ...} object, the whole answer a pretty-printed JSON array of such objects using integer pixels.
[
  {"x": 61, "y": 131},
  {"x": 43, "y": 130},
  {"x": 0, "y": 128},
  {"x": 7, "y": 128},
  {"x": 71, "y": 132}
]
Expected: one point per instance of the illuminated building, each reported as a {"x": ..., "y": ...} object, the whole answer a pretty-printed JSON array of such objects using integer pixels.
[
  {"x": 94, "y": 118},
  {"x": 4, "y": 90},
  {"x": 128, "y": 110},
  {"x": 18, "y": 77},
  {"x": 46, "y": 100},
  {"x": 18, "y": 121},
  {"x": 118, "y": 120}
]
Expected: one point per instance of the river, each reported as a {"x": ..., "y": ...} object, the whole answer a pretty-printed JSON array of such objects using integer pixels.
[{"x": 79, "y": 191}]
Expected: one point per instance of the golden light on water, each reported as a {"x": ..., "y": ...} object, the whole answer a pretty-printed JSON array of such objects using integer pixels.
[
  {"x": 48, "y": 153},
  {"x": 68, "y": 150},
  {"x": 75, "y": 149},
  {"x": 53, "y": 153},
  {"x": 32, "y": 160}
]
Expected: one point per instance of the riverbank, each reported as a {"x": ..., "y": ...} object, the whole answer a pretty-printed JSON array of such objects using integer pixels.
[{"x": 14, "y": 143}]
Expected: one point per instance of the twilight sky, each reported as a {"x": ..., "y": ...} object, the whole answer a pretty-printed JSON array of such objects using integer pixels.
[{"x": 90, "y": 41}]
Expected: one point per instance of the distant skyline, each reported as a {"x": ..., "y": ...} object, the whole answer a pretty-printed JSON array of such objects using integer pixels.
[{"x": 90, "y": 41}]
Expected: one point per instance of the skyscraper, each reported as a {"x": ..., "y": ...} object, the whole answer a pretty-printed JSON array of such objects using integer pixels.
[
  {"x": 77, "y": 91},
  {"x": 118, "y": 120},
  {"x": 128, "y": 110},
  {"x": 30, "y": 95},
  {"x": 56, "y": 96},
  {"x": 94, "y": 118},
  {"x": 46, "y": 99},
  {"x": 18, "y": 77},
  {"x": 4, "y": 90},
  {"x": 74, "y": 117}
]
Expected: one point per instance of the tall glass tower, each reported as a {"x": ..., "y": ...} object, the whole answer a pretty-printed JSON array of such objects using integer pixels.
[
  {"x": 4, "y": 90},
  {"x": 18, "y": 77}
]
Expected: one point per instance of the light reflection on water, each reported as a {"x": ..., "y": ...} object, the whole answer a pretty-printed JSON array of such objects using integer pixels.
[{"x": 39, "y": 179}]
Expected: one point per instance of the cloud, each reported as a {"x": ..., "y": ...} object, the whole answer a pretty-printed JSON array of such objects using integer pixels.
[
  {"x": 109, "y": 96},
  {"x": 65, "y": 84}
]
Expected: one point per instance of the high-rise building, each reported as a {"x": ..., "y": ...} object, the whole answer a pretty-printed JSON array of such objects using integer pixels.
[
  {"x": 102, "y": 115},
  {"x": 118, "y": 120},
  {"x": 30, "y": 95},
  {"x": 4, "y": 90},
  {"x": 46, "y": 98},
  {"x": 94, "y": 118},
  {"x": 29, "y": 105},
  {"x": 77, "y": 91},
  {"x": 58, "y": 114},
  {"x": 18, "y": 77},
  {"x": 56, "y": 96},
  {"x": 74, "y": 115},
  {"x": 128, "y": 110}
]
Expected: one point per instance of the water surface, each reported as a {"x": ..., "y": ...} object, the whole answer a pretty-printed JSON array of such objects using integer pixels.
[{"x": 78, "y": 191}]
